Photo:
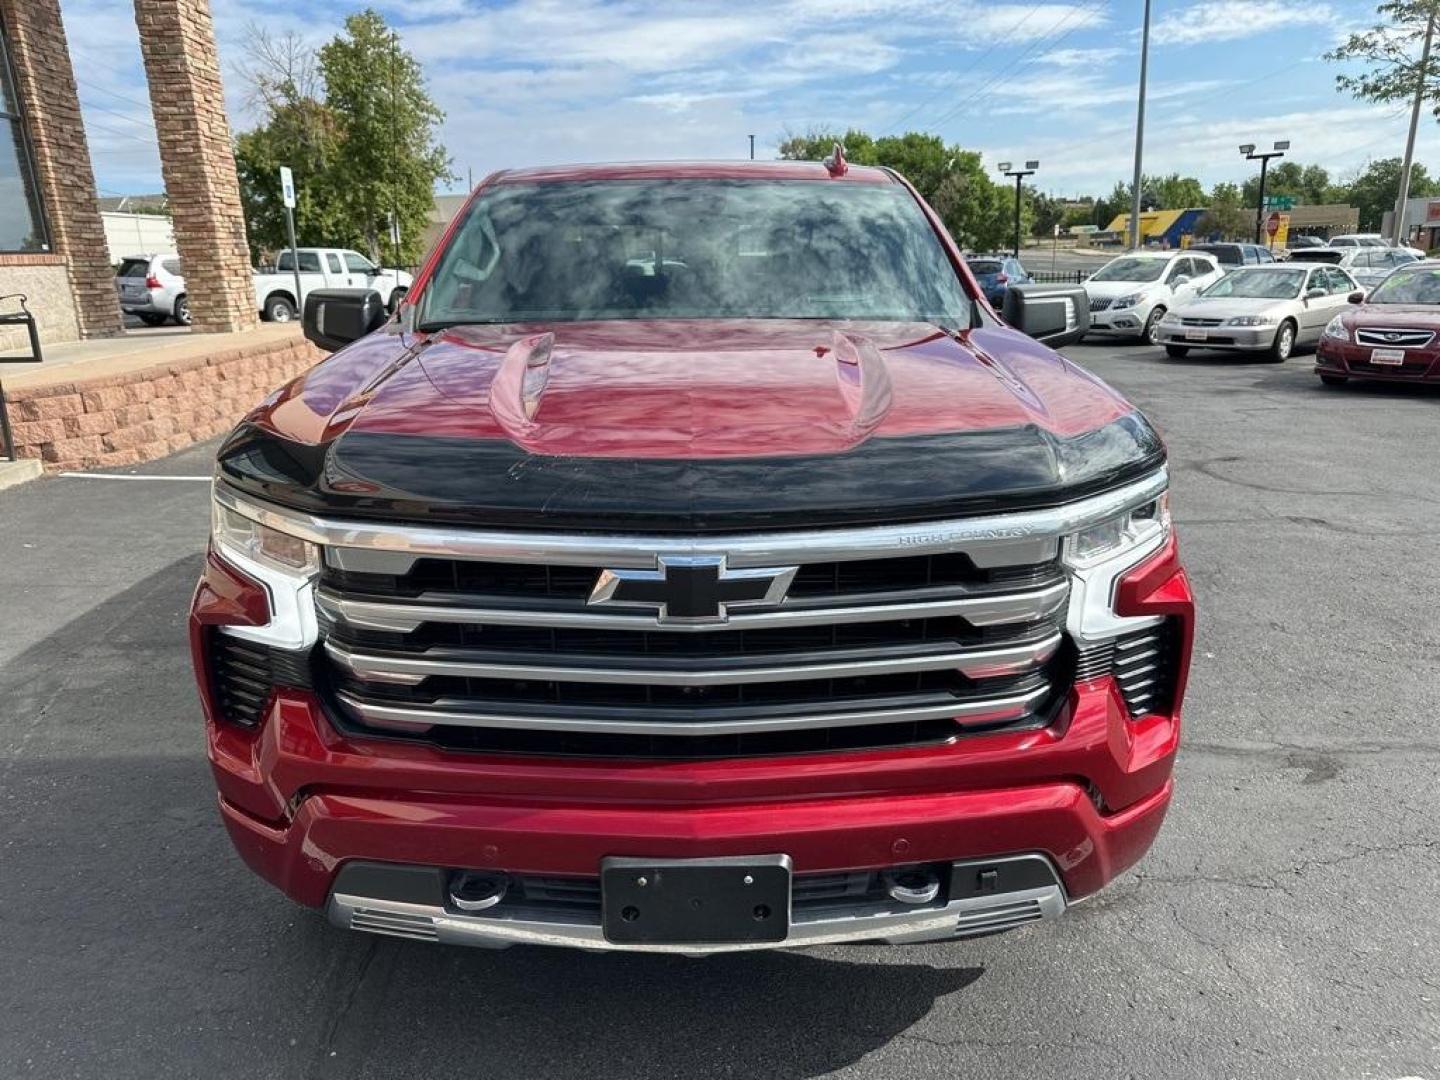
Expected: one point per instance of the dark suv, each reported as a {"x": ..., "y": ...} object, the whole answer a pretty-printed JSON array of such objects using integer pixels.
[{"x": 1228, "y": 255}]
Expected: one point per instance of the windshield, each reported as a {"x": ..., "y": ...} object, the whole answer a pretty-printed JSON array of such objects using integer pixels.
[
  {"x": 1132, "y": 269},
  {"x": 984, "y": 266},
  {"x": 694, "y": 249},
  {"x": 1408, "y": 285},
  {"x": 1267, "y": 284}
]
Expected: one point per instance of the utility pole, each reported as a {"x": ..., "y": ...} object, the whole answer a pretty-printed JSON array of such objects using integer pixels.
[
  {"x": 1018, "y": 174},
  {"x": 1400, "y": 203},
  {"x": 1248, "y": 149},
  {"x": 1140, "y": 131},
  {"x": 752, "y": 147}
]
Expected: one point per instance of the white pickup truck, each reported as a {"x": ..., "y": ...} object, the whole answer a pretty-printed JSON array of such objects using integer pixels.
[{"x": 322, "y": 268}]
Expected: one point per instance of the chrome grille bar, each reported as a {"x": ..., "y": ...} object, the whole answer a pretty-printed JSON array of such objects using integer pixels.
[
  {"x": 455, "y": 714},
  {"x": 1016, "y": 607},
  {"x": 973, "y": 663}
]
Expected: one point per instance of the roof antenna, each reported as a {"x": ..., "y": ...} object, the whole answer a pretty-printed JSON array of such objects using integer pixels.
[{"x": 836, "y": 163}]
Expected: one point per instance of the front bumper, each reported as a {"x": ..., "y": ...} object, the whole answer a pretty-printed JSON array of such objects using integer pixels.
[
  {"x": 1344, "y": 358},
  {"x": 972, "y": 913},
  {"x": 1122, "y": 322},
  {"x": 1240, "y": 338},
  {"x": 299, "y": 802}
]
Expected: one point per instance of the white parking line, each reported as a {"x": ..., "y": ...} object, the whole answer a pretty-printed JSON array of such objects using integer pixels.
[{"x": 129, "y": 476}]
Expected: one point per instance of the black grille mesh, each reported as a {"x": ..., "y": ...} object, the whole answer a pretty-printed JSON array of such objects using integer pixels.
[
  {"x": 1144, "y": 666},
  {"x": 245, "y": 673}
]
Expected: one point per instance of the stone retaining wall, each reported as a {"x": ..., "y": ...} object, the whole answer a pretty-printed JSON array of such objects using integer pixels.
[{"x": 102, "y": 421}]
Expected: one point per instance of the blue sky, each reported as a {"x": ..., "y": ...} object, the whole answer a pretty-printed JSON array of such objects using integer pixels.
[{"x": 543, "y": 81}]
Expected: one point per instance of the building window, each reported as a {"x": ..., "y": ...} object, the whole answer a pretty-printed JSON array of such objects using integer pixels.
[{"x": 22, "y": 225}]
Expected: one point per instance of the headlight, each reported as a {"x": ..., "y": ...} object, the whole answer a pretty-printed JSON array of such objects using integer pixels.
[
  {"x": 1122, "y": 533},
  {"x": 1335, "y": 328},
  {"x": 233, "y": 532},
  {"x": 1171, "y": 318},
  {"x": 1129, "y": 301},
  {"x": 1251, "y": 320}
]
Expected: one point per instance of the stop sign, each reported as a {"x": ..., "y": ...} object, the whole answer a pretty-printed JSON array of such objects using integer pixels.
[{"x": 1272, "y": 223}]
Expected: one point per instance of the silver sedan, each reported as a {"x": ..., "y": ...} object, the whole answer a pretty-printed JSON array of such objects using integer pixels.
[{"x": 1269, "y": 309}]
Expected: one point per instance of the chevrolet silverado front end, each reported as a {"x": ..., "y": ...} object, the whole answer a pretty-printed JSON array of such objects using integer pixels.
[{"x": 695, "y": 563}]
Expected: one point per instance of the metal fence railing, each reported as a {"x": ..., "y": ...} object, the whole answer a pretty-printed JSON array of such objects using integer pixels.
[
  {"x": 24, "y": 318},
  {"x": 1058, "y": 277}
]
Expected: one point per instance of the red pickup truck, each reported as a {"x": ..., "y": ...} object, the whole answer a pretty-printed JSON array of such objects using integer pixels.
[{"x": 693, "y": 562}]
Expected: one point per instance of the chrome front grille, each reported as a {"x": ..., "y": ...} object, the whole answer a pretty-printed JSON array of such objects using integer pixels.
[
  {"x": 508, "y": 654},
  {"x": 1199, "y": 322},
  {"x": 1100, "y": 303},
  {"x": 1393, "y": 337}
]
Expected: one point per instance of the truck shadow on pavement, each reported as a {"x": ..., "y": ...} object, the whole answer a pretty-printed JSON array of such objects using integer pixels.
[{"x": 144, "y": 948}]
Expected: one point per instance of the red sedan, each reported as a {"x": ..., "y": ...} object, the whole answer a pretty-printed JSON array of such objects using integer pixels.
[{"x": 1393, "y": 334}]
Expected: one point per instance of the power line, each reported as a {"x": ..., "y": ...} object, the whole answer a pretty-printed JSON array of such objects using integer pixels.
[
  {"x": 122, "y": 116},
  {"x": 959, "y": 107},
  {"x": 958, "y": 72}
]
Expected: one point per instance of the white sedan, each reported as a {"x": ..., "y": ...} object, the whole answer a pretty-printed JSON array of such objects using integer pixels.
[
  {"x": 1130, "y": 295},
  {"x": 1268, "y": 309}
]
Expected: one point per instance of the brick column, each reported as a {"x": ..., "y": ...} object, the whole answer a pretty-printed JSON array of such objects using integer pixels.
[
  {"x": 51, "y": 105},
  {"x": 182, "y": 66}
]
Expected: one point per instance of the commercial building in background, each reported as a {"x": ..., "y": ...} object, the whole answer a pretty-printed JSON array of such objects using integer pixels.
[
  {"x": 1161, "y": 228},
  {"x": 1422, "y": 223}
]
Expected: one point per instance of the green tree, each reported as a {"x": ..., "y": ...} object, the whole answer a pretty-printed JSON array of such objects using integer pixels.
[
  {"x": 357, "y": 128},
  {"x": 979, "y": 213},
  {"x": 1226, "y": 217},
  {"x": 1391, "y": 52},
  {"x": 302, "y": 134},
  {"x": 1174, "y": 192},
  {"x": 1307, "y": 183},
  {"x": 1373, "y": 190},
  {"x": 390, "y": 161}
]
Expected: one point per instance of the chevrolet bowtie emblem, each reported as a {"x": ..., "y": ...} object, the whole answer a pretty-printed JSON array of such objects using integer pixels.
[{"x": 692, "y": 589}]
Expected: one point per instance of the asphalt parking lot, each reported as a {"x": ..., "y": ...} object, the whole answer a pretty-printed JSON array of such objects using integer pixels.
[{"x": 1283, "y": 926}]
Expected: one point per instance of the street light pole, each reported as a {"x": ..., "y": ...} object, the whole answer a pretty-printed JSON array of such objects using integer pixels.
[
  {"x": 1404, "y": 197},
  {"x": 1140, "y": 131},
  {"x": 1018, "y": 174},
  {"x": 1248, "y": 149},
  {"x": 752, "y": 147}
]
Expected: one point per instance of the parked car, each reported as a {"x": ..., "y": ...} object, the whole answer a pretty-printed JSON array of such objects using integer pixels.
[
  {"x": 1299, "y": 241},
  {"x": 1230, "y": 255},
  {"x": 1371, "y": 240},
  {"x": 1392, "y": 334},
  {"x": 152, "y": 288},
  {"x": 1267, "y": 309},
  {"x": 1367, "y": 265},
  {"x": 1129, "y": 295},
  {"x": 655, "y": 610},
  {"x": 322, "y": 268},
  {"x": 996, "y": 273}
]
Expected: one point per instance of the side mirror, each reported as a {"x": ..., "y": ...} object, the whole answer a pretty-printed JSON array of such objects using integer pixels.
[
  {"x": 336, "y": 317},
  {"x": 1315, "y": 293},
  {"x": 1356, "y": 297},
  {"x": 1183, "y": 279},
  {"x": 1056, "y": 315}
]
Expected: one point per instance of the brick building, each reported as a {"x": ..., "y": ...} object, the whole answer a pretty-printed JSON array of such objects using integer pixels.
[{"x": 52, "y": 239}]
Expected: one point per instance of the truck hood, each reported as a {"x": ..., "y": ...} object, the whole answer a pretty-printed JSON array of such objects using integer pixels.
[{"x": 691, "y": 425}]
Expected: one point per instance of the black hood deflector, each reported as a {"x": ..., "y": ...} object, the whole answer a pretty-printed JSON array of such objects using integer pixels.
[{"x": 495, "y": 483}]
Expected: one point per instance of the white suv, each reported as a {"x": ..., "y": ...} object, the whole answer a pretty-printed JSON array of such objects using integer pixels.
[{"x": 1129, "y": 295}]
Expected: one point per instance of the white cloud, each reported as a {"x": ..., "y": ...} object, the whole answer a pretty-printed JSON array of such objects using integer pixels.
[
  {"x": 1211, "y": 21},
  {"x": 1079, "y": 58}
]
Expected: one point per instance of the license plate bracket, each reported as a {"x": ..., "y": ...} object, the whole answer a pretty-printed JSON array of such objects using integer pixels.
[
  {"x": 1196, "y": 335},
  {"x": 1387, "y": 357},
  {"x": 695, "y": 901}
]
